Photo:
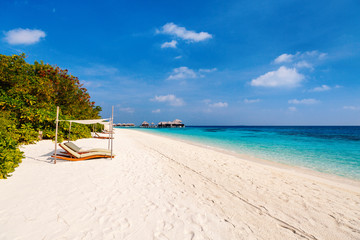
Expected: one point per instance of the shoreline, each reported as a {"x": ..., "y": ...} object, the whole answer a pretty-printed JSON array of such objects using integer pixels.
[
  {"x": 351, "y": 182},
  {"x": 162, "y": 188}
]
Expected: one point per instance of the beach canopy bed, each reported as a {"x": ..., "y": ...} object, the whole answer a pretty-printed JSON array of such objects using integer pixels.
[{"x": 73, "y": 152}]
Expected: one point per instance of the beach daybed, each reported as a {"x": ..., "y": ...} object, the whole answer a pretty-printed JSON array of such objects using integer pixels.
[{"x": 72, "y": 155}]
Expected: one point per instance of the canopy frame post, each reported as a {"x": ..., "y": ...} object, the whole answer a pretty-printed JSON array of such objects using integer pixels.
[
  {"x": 109, "y": 140},
  {"x": 56, "y": 131},
  {"x": 69, "y": 132}
]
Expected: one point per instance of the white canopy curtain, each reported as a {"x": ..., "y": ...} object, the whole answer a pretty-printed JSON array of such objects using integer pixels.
[
  {"x": 88, "y": 121},
  {"x": 106, "y": 126},
  {"x": 105, "y": 121}
]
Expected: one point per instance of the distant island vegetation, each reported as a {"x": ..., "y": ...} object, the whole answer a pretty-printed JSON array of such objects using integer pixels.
[{"x": 29, "y": 94}]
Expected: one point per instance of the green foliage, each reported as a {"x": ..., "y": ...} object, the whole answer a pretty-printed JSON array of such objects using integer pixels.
[
  {"x": 29, "y": 94},
  {"x": 10, "y": 155},
  {"x": 26, "y": 133}
]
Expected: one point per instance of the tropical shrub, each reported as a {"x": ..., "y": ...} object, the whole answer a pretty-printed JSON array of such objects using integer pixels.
[
  {"x": 29, "y": 94},
  {"x": 10, "y": 155}
]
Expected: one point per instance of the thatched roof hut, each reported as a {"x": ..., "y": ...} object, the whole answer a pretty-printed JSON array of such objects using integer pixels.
[
  {"x": 145, "y": 124},
  {"x": 174, "y": 124},
  {"x": 177, "y": 121}
]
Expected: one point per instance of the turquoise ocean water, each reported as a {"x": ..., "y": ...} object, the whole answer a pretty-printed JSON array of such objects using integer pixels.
[{"x": 333, "y": 150}]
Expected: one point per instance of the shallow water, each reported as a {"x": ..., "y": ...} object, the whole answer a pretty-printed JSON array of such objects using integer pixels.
[{"x": 334, "y": 150}]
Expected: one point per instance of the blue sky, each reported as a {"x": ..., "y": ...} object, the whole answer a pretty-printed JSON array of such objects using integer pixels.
[{"x": 205, "y": 62}]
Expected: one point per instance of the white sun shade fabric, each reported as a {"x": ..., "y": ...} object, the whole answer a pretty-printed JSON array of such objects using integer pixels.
[
  {"x": 89, "y": 121},
  {"x": 106, "y": 126}
]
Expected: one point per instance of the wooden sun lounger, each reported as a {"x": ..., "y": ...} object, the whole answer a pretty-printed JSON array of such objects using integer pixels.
[
  {"x": 72, "y": 155},
  {"x": 101, "y": 137},
  {"x": 71, "y": 158},
  {"x": 107, "y": 132}
]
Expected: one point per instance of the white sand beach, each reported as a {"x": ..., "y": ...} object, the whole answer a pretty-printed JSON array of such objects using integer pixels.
[{"x": 161, "y": 188}]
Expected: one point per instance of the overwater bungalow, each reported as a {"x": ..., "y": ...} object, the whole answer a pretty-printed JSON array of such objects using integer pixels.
[
  {"x": 145, "y": 124},
  {"x": 174, "y": 124}
]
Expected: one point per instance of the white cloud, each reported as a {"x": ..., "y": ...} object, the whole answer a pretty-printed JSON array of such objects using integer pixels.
[
  {"x": 292, "y": 71},
  {"x": 303, "y": 59},
  {"x": 171, "y": 99},
  {"x": 208, "y": 70},
  {"x": 98, "y": 70},
  {"x": 322, "y": 88},
  {"x": 292, "y": 109},
  {"x": 303, "y": 64},
  {"x": 283, "y": 77},
  {"x": 219, "y": 104},
  {"x": 181, "y": 32},
  {"x": 182, "y": 73},
  {"x": 284, "y": 58},
  {"x": 322, "y": 56},
  {"x": 178, "y": 57},
  {"x": 156, "y": 111},
  {"x": 314, "y": 54},
  {"x": 187, "y": 73},
  {"x": 24, "y": 36},
  {"x": 251, "y": 100},
  {"x": 213, "y": 105},
  {"x": 303, "y": 101},
  {"x": 353, "y": 108},
  {"x": 171, "y": 44},
  {"x": 127, "y": 109},
  {"x": 91, "y": 84}
]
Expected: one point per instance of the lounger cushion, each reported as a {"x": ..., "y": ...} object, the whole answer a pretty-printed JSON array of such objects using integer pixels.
[
  {"x": 97, "y": 150},
  {"x": 75, "y": 148},
  {"x": 72, "y": 146},
  {"x": 70, "y": 151}
]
